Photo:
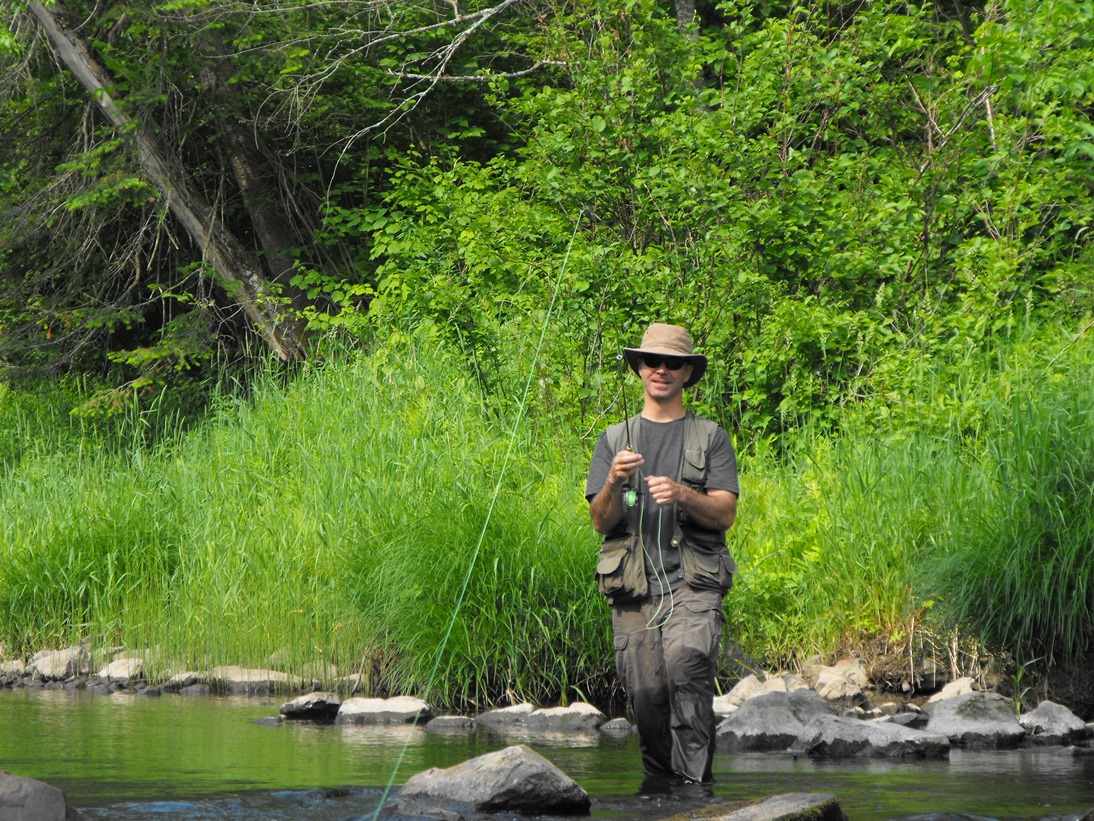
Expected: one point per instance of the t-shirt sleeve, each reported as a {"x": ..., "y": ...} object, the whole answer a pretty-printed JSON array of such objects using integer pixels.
[
  {"x": 599, "y": 467},
  {"x": 722, "y": 464}
]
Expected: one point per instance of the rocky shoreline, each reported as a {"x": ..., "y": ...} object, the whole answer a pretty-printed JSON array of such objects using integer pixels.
[{"x": 831, "y": 711}]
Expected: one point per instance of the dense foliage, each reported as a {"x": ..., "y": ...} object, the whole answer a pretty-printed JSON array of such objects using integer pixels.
[
  {"x": 832, "y": 197},
  {"x": 875, "y": 218}
]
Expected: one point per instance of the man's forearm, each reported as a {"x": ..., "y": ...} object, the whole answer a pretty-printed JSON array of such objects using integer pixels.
[
  {"x": 716, "y": 510},
  {"x": 606, "y": 508}
]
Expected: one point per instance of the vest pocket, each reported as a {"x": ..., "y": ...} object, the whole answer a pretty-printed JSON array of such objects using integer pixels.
[
  {"x": 621, "y": 571},
  {"x": 706, "y": 569}
]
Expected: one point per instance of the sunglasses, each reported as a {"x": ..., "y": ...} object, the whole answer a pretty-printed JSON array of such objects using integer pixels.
[{"x": 673, "y": 363}]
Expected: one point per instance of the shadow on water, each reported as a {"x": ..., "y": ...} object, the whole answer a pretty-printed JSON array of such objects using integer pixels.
[{"x": 130, "y": 758}]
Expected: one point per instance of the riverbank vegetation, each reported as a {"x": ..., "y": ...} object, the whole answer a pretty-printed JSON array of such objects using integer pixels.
[
  {"x": 874, "y": 219},
  {"x": 374, "y": 514}
]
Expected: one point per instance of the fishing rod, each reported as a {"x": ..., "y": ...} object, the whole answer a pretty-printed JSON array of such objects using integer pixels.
[
  {"x": 623, "y": 385},
  {"x": 630, "y": 492}
]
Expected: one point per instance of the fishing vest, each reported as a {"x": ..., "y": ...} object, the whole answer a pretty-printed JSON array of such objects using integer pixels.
[{"x": 704, "y": 557}]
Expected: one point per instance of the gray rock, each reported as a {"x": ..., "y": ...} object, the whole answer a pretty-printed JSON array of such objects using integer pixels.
[
  {"x": 772, "y": 721},
  {"x": 515, "y": 779},
  {"x": 832, "y": 736},
  {"x": 58, "y": 665},
  {"x": 748, "y": 687},
  {"x": 24, "y": 799},
  {"x": 957, "y": 687},
  {"x": 123, "y": 669},
  {"x": 506, "y": 716},
  {"x": 313, "y": 707},
  {"x": 183, "y": 679},
  {"x": 976, "y": 720},
  {"x": 451, "y": 724},
  {"x": 796, "y": 806},
  {"x": 247, "y": 681},
  {"x": 397, "y": 710},
  {"x": 578, "y": 717},
  {"x": 1052, "y": 723},
  {"x": 843, "y": 681},
  {"x": 617, "y": 727}
]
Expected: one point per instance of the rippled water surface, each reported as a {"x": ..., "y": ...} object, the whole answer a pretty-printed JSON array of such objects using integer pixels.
[{"x": 127, "y": 757}]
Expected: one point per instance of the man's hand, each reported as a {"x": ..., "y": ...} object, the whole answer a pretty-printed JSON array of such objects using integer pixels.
[
  {"x": 606, "y": 508},
  {"x": 663, "y": 490},
  {"x": 715, "y": 508},
  {"x": 623, "y": 465}
]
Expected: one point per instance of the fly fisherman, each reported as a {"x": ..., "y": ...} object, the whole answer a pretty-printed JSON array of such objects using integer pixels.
[{"x": 662, "y": 490}]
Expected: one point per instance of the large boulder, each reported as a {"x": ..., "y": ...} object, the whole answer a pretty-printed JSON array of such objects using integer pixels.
[
  {"x": 516, "y": 779},
  {"x": 976, "y": 720},
  {"x": 58, "y": 665},
  {"x": 24, "y": 799},
  {"x": 397, "y": 710},
  {"x": 772, "y": 721},
  {"x": 832, "y": 736},
  {"x": 1052, "y": 723}
]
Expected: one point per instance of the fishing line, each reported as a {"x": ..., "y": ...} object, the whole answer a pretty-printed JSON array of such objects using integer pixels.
[{"x": 490, "y": 509}]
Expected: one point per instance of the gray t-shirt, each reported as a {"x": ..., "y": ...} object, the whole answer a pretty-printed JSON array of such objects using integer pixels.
[{"x": 661, "y": 445}]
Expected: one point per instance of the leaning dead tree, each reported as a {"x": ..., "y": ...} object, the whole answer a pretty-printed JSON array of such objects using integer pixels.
[{"x": 245, "y": 280}]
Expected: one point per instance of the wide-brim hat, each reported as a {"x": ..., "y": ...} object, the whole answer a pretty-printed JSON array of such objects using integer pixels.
[{"x": 668, "y": 340}]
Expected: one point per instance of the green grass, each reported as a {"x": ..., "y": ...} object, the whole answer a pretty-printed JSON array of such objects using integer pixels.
[
  {"x": 368, "y": 515},
  {"x": 376, "y": 515}
]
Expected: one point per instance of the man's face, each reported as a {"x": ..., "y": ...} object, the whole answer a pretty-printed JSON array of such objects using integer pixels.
[{"x": 663, "y": 377}]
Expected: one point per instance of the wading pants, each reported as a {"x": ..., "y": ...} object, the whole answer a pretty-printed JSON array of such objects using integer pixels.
[{"x": 665, "y": 654}]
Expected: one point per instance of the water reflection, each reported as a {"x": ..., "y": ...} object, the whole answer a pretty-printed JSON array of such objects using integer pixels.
[{"x": 124, "y": 757}]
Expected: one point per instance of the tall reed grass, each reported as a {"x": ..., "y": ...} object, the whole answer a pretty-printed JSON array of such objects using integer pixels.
[
  {"x": 1017, "y": 567},
  {"x": 368, "y": 516}
]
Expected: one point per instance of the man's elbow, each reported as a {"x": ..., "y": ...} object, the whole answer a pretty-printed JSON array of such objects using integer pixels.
[{"x": 601, "y": 525}]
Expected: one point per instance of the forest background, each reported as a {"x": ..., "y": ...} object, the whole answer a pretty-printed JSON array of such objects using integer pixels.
[{"x": 310, "y": 313}]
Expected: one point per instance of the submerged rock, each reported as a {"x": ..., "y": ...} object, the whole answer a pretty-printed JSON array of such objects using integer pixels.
[
  {"x": 788, "y": 807},
  {"x": 452, "y": 724}
]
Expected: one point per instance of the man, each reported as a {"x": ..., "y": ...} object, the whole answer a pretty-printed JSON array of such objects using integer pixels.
[{"x": 662, "y": 490}]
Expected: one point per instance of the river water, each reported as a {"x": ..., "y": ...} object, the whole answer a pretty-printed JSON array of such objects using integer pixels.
[{"x": 140, "y": 758}]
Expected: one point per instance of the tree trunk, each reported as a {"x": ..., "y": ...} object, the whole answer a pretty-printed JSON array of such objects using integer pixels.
[
  {"x": 259, "y": 192},
  {"x": 280, "y": 330},
  {"x": 685, "y": 19}
]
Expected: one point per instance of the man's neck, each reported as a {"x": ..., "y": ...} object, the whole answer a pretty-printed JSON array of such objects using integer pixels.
[{"x": 667, "y": 412}]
